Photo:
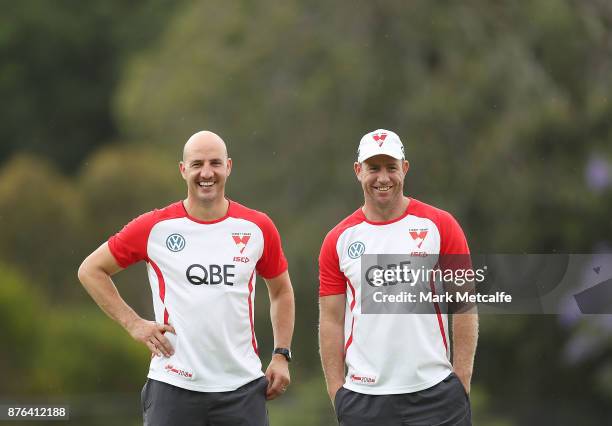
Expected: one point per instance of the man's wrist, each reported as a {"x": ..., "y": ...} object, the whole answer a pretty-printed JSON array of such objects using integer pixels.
[
  {"x": 129, "y": 321},
  {"x": 278, "y": 357},
  {"x": 284, "y": 353},
  {"x": 464, "y": 375},
  {"x": 465, "y": 372},
  {"x": 332, "y": 389}
]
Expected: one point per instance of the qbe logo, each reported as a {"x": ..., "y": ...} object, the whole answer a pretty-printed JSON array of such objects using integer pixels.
[
  {"x": 175, "y": 242},
  {"x": 356, "y": 249}
]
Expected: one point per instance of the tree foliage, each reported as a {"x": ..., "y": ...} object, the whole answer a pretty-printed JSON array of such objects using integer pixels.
[
  {"x": 60, "y": 63},
  {"x": 503, "y": 107}
]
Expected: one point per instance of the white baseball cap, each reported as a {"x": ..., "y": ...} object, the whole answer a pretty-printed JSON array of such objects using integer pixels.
[{"x": 379, "y": 142}]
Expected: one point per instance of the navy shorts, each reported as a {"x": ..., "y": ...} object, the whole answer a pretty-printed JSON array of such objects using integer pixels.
[
  {"x": 167, "y": 405},
  {"x": 445, "y": 403}
]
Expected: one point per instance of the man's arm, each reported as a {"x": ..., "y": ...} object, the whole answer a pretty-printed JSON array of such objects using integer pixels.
[
  {"x": 95, "y": 275},
  {"x": 465, "y": 336},
  {"x": 331, "y": 341},
  {"x": 282, "y": 316}
]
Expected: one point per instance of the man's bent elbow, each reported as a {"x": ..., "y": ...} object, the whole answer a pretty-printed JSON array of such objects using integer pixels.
[
  {"x": 87, "y": 269},
  {"x": 82, "y": 272}
]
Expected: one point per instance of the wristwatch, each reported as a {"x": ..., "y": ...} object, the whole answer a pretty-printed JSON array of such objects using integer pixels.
[{"x": 284, "y": 352}]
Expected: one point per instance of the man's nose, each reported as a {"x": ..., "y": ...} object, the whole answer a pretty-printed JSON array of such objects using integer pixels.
[
  {"x": 206, "y": 172},
  {"x": 383, "y": 176}
]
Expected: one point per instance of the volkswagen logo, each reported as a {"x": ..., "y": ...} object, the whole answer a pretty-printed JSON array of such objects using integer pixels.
[
  {"x": 356, "y": 249},
  {"x": 175, "y": 242}
]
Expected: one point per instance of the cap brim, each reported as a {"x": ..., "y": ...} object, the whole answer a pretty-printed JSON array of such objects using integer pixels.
[{"x": 374, "y": 152}]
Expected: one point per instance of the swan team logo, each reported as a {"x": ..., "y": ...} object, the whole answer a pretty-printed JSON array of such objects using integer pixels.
[
  {"x": 241, "y": 239},
  {"x": 418, "y": 235},
  {"x": 379, "y": 138}
]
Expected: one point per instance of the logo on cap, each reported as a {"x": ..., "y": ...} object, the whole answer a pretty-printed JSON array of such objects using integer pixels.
[{"x": 379, "y": 137}]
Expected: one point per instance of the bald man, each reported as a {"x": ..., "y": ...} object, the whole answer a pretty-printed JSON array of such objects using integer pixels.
[{"x": 202, "y": 256}]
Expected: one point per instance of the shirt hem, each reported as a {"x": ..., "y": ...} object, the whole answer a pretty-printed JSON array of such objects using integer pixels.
[
  {"x": 184, "y": 384},
  {"x": 370, "y": 390}
]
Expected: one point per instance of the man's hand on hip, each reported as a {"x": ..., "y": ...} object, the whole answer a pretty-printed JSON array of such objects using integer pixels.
[
  {"x": 278, "y": 377},
  {"x": 152, "y": 335}
]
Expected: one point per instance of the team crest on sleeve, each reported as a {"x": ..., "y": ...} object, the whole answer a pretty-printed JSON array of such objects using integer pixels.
[
  {"x": 241, "y": 239},
  {"x": 356, "y": 249},
  {"x": 175, "y": 242},
  {"x": 418, "y": 235}
]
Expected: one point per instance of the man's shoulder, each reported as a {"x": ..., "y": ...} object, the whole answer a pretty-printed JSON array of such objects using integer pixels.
[
  {"x": 175, "y": 209},
  {"x": 446, "y": 223},
  {"x": 259, "y": 218},
  {"x": 351, "y": 220},
  {"x": 428, "y": 211},
  {"x": 130, "y": 244},
  {"x": 170, "y": 211}
]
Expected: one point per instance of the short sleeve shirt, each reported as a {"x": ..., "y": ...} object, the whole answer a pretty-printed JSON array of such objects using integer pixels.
[
  {"x": 202, "y": 277},
  {"x": 390, "y": 354}
]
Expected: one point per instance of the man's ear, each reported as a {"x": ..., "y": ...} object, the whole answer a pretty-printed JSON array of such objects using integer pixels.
[
  {"x": 182, "y": 169},
  {"x": 229, "y": 166},
  {"x": 357, "y": 167},
  {"x": 405, "y": 166}
]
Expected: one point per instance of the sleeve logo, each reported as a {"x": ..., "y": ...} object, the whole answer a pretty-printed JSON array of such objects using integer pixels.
[{"x": 175, "y": 242}]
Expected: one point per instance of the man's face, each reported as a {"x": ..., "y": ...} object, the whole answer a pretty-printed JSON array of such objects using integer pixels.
[
  {"x": 382, "y": 179},
  {"x": 205, "y": 168}
]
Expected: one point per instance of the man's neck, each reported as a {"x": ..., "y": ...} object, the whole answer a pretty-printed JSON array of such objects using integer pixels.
[
  {"x": 205, "y": 211},
  {"x": 375, "y": 213}
]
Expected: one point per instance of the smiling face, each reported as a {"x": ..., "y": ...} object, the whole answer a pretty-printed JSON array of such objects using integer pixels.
[
  {"x": 382, "y": 181},
  {"x": 205, "y": 168}
]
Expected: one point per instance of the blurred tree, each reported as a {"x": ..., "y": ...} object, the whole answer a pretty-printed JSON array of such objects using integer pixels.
[
  {"x": 309, "y": 399},
  {"x": 22, "y": 314},
  {"x": 504, "y": 110},
  {"x": 42, "y": 222},
  {"x": 84, "y": 352},
  {"x": 59, "y": 352},
  {"x": 60, "y": 64}
]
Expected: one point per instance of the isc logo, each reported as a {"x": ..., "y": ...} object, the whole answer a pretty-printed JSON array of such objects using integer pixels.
[{"x": 212, "y": 275}]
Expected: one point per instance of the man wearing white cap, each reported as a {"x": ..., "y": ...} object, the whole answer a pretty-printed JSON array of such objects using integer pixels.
[{"x": 399, "y": 368}]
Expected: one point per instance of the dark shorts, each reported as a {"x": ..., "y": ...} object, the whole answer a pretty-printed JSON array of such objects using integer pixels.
[
  {"x": 167, "y": 405},
  {"x": 443, "y": 404}
]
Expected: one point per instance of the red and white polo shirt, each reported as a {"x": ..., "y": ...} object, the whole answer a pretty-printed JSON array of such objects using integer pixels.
[
  {"x": 202, "y": 277},
  {"x": 389, "y": 354}
]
